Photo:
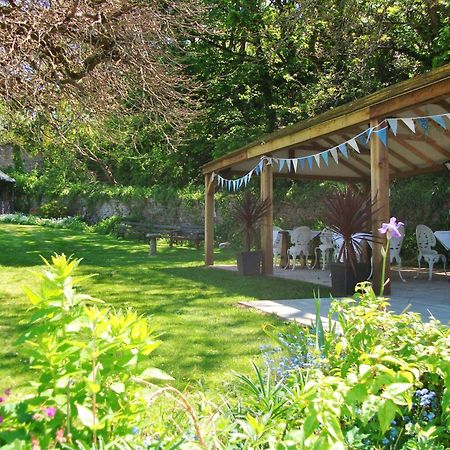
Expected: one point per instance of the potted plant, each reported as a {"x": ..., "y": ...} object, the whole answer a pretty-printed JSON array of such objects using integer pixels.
[
  {"x": 248, "y": 212},
  {"x": 349, "y": 214}
]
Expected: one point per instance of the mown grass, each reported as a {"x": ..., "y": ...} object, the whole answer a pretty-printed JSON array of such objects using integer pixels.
[{"x": 206, "y": 335}]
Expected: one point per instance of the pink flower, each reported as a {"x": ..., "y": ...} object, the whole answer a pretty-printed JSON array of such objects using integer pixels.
[
  {"x": 391, "y": 229},
  {"x": 50, "y": 411},
  {"x": 2, "y": 399},
  {"x": 35, "y": 444},
  {"x": 60, "y": 436}
]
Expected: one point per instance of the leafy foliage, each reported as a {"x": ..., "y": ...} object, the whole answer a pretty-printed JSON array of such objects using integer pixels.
[
  {"x": 249, "y": 211},
  {"x": 349, "y": 212}
]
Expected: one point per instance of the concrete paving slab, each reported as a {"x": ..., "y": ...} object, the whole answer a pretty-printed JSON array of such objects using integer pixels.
[{"x": 429, "y": 300}]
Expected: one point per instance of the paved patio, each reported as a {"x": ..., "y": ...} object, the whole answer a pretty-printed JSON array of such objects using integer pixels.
[{"x": 429, "y": 298}]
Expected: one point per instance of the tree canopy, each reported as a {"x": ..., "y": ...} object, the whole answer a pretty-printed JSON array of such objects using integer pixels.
[{"x": 257, "y": 65}]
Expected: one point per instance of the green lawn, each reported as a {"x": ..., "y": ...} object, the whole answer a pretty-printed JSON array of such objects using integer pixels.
[{"x": 206, "y": 335}]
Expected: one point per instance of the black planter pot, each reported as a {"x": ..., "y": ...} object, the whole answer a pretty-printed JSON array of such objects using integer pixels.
[
  {"x": 344, "y": 279},
  {"x": 249, "y": 263}
]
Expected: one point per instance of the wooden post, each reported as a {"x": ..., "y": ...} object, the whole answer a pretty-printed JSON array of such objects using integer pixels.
[
  {"x": 210, "y": 186},
  {"x": 267, "y": 222},
  {"x": 379, "y": 167}
]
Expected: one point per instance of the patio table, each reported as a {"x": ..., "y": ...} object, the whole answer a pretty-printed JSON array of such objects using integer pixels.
[
  {"x": 285, "y": 238},
  {"x": 444, "y": 238}
]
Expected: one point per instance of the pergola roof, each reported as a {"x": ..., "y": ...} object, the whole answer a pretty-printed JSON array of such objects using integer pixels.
[{"x": 409, "y": 153}]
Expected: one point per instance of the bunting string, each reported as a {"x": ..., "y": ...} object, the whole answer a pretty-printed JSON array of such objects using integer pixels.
[{"x": 344, "y": 149}]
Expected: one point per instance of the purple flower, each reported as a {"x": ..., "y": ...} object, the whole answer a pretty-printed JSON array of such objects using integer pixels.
[
  {"x": 1, "y": 419},
  {"x": 391, "y": 229},
  {"x": 2, "y": 399},
  {"x": 50, "y": 411}
]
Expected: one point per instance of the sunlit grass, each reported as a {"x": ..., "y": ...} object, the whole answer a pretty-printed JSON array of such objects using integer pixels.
[{"x": 205, "y": 334}]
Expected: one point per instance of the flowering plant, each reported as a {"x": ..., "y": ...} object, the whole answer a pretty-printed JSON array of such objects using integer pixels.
[{"x": 391, "y": 229}]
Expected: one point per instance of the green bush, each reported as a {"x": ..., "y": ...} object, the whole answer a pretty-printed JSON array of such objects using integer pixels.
[
  {"x": 52, "y": 210},
  {"x": 109, "y": 225},
  {"x": 71, "y": 223}
]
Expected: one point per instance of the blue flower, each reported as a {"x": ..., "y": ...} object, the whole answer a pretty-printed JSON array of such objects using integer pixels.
[
  {"x": 385, "y": 441},
  {"x": 135, "y": 430}
]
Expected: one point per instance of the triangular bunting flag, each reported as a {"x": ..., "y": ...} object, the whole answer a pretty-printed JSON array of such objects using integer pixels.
[
  {"x": 393, "y": 124},
  {"x": 294, "y": 164},
  {"x": 245, "y": 180},
  {"x": 249, "y": 175},
  {"x": 382, "y": 135},
  {"x": 440, "y": 120},
  {"x": 361, "y": 138},
  {"x": 302, "y": 164},
  {"x": 410, "y": 124},
  {"x": 325, "y": 157},
  {"x": 317, "y": 158},
  {"x": 369, "y": 134},
  {"x": 281, "y": 163},
  {"x": 241, "y": 181},
  {"x": 288, "y": 164},
  {"x": 353, "y": 144},
  {"x": 424, "y": 124},
  {"x": 343, "y": 150},
  {"x": 260, "y": 166},
  {"x": 334, "y": 154},
  {"x": 310, "y": 162}
]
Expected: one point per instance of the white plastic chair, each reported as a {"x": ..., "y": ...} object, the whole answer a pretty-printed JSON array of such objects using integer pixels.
[
  {"x": 395, "y": 247},
  {"x": 277, "y": 238},
  {"x": 300, "y": 237},
  {"x": 425, "y": 241},
  {"x": 326, "y": 247}
]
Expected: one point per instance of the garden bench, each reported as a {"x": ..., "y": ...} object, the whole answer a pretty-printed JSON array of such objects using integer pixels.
[
  {"x": 188, "y": 232},
  {"x": 174, "y": 233}
]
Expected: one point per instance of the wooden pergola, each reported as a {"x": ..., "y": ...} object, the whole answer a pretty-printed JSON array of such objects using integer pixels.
[{"x": 406, "y": 153}]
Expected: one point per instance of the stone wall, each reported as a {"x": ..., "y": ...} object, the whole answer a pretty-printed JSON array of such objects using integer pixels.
[{"x": 29, "y": 162}]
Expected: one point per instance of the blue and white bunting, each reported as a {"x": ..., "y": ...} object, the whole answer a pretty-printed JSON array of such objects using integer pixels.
[
  {"x": 423, "y": 121},
  {"x": 440, "y": 121},
  {"x": 361, "y": 139},
  {"x": 393, "y": 124},
  {"x": 343, "y": 150},
  {"x": 382, "y": 135},
  {"x": 352, "y": 142},
  {"x": 409, "y": 123},
  {"x": 334, "y": 154},
  {"x": 317, "y": 158}
]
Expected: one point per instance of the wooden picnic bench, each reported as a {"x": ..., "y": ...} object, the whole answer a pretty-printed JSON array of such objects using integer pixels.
[{"x": 176, "y": 234}]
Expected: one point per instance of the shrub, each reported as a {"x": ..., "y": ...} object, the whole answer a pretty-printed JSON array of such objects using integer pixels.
[
  {"x": 71, "y": 223},
  {"x": 52, "y": 210},
  {"x": 109, "y": 225},
  {"x": 86, "y": 360}
]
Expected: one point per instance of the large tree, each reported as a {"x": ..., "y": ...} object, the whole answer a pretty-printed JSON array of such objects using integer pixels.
[{"x": 97, "y": 56}]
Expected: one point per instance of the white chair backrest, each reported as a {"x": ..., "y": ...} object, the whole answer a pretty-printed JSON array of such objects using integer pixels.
[
  {"x": 276, "y": 237},
  {"x": 425, "y": 238},
  {"x": 301, "y": 236},
  {"x": 397, "y": 242},
  {"x": 326, "y": 238}
]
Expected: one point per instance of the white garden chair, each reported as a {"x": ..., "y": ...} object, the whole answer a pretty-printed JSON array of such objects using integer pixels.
[
  {"x": 395, "y": 247},
  {"x": 277, "y": 238},
  {"x": 326, "y": 247},
  {"x": 300, "y": 237},
  {"x": 425, "y": 241}
]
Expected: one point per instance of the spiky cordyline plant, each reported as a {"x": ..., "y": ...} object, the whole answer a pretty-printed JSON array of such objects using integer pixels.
[
  {"x": 249, "y": 211},
  {"x": 349, "y": 212}
]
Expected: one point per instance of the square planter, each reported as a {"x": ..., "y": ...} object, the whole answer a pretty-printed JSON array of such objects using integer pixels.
[
  {"x": 249, "y": 263},
  {"x": 344, "y": 279}
]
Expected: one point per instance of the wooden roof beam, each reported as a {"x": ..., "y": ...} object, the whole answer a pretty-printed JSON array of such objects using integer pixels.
[{"x": 303, "y": 175}]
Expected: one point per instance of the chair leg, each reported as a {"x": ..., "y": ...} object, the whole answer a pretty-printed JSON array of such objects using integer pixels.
[
  {"x": 315, "y": 259},
  {"x": 399, "y": 271},
  {"x": 430, "y": 269},
  {"x": 418, "y": 266},
  {"x": 294, "y": 258}
]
